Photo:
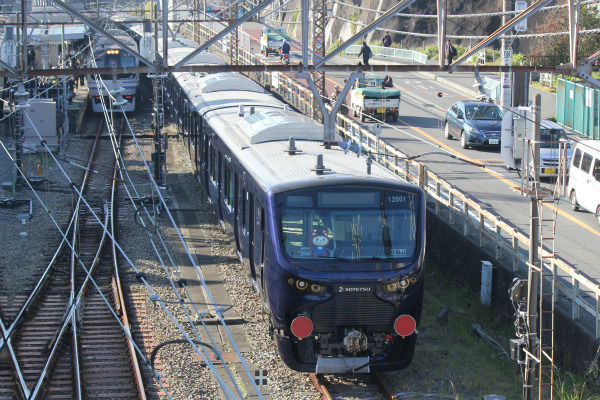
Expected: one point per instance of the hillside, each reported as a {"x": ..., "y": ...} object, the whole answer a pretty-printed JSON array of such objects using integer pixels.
[{"x": 343, "y": 27}]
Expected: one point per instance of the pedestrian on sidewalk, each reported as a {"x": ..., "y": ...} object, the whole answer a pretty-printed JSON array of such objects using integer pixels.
[
  {"x": 365, "y": 51},
  {"x": 450, "y": 52},
  {"x": 386, "y": 40}
]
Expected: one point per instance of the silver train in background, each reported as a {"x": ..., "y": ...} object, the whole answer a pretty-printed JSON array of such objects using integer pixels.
[{"x": 106, "y": 54}]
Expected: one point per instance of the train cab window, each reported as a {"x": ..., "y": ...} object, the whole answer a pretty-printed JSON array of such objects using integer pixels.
[{"x": 348, "y": 223}]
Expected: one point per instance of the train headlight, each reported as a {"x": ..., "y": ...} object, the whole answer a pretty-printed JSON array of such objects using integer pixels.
[
  {"x": 405, "y": 285},
  {"x": 304, "y": 287}
]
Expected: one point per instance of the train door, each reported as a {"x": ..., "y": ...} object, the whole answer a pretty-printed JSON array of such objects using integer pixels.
[
  {"x": 195, "y": 134},
  {"x": 261, "y": 236},
  {"x": 236, "y": 213},
  {"x": 219, "y": 184},
  {"x": 251, "y": 238}
]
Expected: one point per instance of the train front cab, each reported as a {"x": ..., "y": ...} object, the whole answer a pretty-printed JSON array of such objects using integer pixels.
[{"x": 345, "y": 278}]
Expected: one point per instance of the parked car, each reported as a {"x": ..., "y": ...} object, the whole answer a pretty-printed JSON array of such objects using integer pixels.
[
  {"x": 474, "y": 123},
  {"x": 584, "y": 177},
  {"x": 554, "y": 144}
]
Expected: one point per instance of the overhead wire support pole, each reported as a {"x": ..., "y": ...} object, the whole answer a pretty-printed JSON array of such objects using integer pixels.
[
  {"x": 504, "y": 28},
  {"x": 574, "y": 13},
  {"x": 224, "y": 32},
  {"x": 304, "y": 18},
  {"x": 96, "y": 28},
  {"x": 8, "y": 67},
  {"x": 535, "y": 268},
  {"x": 441, "y": 22},
  {"x": 402, "y": 4},
  {"x": 584, "y": 70}
]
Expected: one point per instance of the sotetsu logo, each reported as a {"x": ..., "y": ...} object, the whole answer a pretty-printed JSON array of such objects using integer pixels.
[{"x": 354, "y": 289}]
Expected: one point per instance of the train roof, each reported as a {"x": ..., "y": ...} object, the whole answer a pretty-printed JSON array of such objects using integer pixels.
[
  {"x": 257, "y": 128},
  {"x": 203, "y": 58},
  {"x": 260, "y": 140},
  {"x": 119, "y": 34}
]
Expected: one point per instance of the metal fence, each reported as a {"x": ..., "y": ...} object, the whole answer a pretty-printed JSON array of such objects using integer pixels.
[
  {"x": 409, "y": 55},
  {"x": 471, "y": 218},
  {"x": 578, "y": 107}
]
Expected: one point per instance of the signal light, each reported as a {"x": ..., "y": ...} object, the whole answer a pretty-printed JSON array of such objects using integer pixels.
[
  {"x": 405, "y": 325},
  {"x": 301, "y": 327}
]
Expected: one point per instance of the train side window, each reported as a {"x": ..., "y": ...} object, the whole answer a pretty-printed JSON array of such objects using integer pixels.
[
  {"x": 228, "y": 186},
  {"x": 235, "y": 194},
  {"x": 262, "y": 235},
  {"x": 212, "y": 162},
  {"x": 243, "y": 206},
  {"x": 219, "y": 173},
  {"x": 577, "y": 158},
  {"x": 586, "y": 163}
]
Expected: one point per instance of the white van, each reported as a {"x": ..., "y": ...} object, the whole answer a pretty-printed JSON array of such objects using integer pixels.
[
  {"x": 554, "y": 142},
  {"x": 584, "y": 177}
]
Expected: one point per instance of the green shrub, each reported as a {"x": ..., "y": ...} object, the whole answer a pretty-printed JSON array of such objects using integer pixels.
[{"x": 432, "y": 52}]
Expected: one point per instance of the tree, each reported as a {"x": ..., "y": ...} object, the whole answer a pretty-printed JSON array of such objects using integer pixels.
[{"x": 558, "y": 21}]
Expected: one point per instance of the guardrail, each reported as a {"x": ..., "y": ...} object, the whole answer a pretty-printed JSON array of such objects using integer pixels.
[
  {"x": 478, "y": 223},
  {"x": 411, "y": 55}
]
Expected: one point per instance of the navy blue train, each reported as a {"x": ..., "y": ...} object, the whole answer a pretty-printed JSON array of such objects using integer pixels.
[{"x": 335, "y": 247}]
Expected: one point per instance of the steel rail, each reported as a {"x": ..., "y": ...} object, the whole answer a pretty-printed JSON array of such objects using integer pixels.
[
  {"x": 319, "y": 382},
  {"x": 70, "y": 317},
  {"x": 72, "y": 294},
  {"x": 383, "y": 386},
  {"x": 119, "y": 298}
]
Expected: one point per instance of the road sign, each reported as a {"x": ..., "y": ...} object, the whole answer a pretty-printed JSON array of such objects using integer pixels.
[
  {"x": 506, "y": 56},
  {"x": 521, "y": 6}
]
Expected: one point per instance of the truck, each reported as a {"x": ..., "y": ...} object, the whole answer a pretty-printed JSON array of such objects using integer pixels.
[
  {"x": 369, "y": 99},
  {"x": 271, "y": 40}
]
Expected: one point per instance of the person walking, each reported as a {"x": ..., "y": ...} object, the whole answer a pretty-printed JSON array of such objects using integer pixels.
[
  {"x": 365, "y": 51},
  {"x": 31, "y": 58},
  {"x": 285, "y": 51},
  {"x": 450, "y": 52},
  {"x": 386, "y": 40}
]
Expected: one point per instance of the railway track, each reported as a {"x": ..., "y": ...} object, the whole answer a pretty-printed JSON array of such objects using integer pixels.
[
  {"x": 324, "y": 387},
  {"x": 64, "y": 340}
]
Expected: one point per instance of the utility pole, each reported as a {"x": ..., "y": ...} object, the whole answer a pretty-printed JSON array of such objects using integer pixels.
[
  {"x": 533, "y": 279},
  {"x": 158, "y": 117}
]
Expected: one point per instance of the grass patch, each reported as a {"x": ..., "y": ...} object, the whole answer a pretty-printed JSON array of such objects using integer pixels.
[{"x": 450, "y": 360}]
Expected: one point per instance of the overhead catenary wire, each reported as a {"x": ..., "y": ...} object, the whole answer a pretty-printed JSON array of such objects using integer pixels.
[
  {"x": 458, "y": 16},
  {"x": 207, "y": 360},
  {"x": 478, "y": 37}
]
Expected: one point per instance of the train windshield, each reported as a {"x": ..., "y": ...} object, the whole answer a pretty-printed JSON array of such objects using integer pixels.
[{"x": 348, "y": 223}]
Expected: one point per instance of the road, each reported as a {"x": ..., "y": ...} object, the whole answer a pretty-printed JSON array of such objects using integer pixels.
[{"x": 419, "y": 132}]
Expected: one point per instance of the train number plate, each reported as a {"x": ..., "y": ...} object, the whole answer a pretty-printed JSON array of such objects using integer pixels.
[
  {"x": 380, "y": 110},
  {"x": 494, "y": 141},
  {"x": 353, "y": 288},
  {"x": 550, "y": 170}
]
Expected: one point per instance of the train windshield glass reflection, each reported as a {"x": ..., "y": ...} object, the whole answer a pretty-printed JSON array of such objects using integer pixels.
[{"x": 348, "y": 223}]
